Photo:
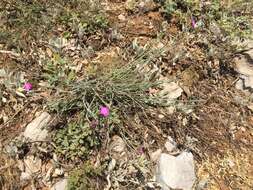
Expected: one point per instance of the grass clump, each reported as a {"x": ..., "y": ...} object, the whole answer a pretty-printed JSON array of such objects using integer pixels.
[{"x": 123, "y": 89}]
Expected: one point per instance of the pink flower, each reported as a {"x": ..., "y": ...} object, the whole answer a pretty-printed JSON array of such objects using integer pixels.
[
  {"x": 194, "y": 25},
  {"x": 104, "y": 111},
  {"x": 141, "y": 150},
  {"x": 27, "y": 86}
]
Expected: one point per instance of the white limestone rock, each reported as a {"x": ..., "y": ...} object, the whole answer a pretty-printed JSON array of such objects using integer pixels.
[
  {"x": 37, "y": 129},
  {"x": 176, "y": 172}
]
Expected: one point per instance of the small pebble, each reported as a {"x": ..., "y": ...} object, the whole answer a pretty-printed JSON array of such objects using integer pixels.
[{"x": 121, "y": 17}]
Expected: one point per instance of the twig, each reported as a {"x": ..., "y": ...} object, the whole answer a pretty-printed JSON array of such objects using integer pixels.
[
  {"x": 5, "y": 167},
  {"x": 109, "y": 183},
  {"x": 233, "y": 83},
  {"x": 10, "y": 52},
  {"x": 13, "y": 116}
]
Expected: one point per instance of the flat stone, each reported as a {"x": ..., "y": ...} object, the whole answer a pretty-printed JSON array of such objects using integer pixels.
[
  {"x": 121, "y": 17},
  {"x": 202, "y": 185},
  {"x": 147, "y": 5},
  {"x": 244, "y": 66},
  {"x": 11, "y": 149},
  {"x": 170, "y": 144},
  {"x": 25, "y": 176},
  {"x": 60, "y": 185},
  {"x": 176, "y": 172},
  {"x": 154, "y": 156},
  {"x": 32, "y": 164},
  {"x": 171, "y": 91},
  {"x": 58, "y": 172},
  {"x": 37, "y": 129},
  {"x": 118, "y": 148}
]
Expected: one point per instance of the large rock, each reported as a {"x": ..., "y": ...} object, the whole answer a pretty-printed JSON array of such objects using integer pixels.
[
  {"x": 244, "y": 66},
  {"x": 246, "y": 72},
  {"x": 37, "y": 129},
  {"x": 176, "y": 172}
]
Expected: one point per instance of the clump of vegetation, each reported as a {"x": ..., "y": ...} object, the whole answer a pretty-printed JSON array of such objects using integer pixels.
[
  {"x": 21, "y": 22},
  {"x": 124, "y": 89},
  {"x": 79, "y": 139},
  {"x": 214, "y": 29},
  {"x": 82, "y": 17},
  {"x": 75, "y": 141},
  {"x": 233, "y": 17},
  {"x": 25, "y": 22},
  {"x": 56, "y": 70},
  {"x": 86, "y": 177}
]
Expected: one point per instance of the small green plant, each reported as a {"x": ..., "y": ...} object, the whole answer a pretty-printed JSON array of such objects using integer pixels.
[
  {"x": 57, "y": 71},
  {"x": 84, "y": 17},
  {"x": 86, "y": 177},
  {"x": 75, "y": 141},
  {"x": 169, "y": 8}
]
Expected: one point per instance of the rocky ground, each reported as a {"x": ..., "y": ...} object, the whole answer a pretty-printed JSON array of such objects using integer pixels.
[{"x": 126, "y": 94}]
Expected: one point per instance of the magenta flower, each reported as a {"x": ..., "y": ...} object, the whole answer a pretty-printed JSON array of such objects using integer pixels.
[
  {"x": 27, "y": 86},
  {"x": 104, "y": 111},
  {"x": 194, "y": 25}
]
